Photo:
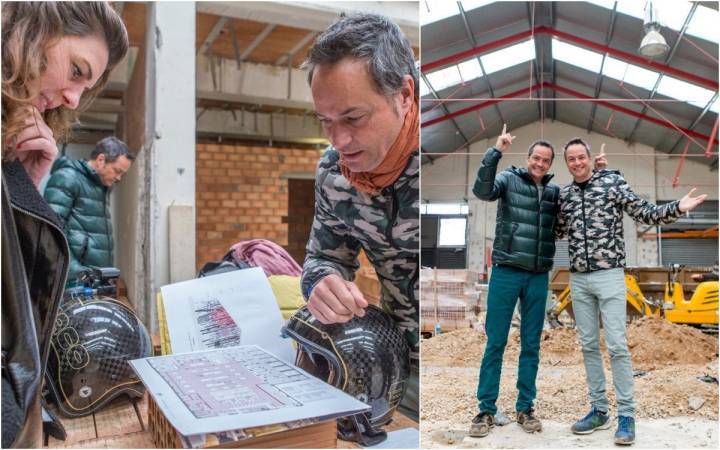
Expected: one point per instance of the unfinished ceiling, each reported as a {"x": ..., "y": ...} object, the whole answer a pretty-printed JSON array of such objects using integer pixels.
[
  {"x": 489, "y": 63},
  {"x": 275, "y": 35}
]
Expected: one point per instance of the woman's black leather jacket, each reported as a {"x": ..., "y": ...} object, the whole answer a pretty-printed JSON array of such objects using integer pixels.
[{"x": 35, "y": 261}]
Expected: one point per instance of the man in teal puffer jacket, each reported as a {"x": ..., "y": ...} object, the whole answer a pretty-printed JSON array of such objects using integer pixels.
[
  {"x": 522, "y": 256},
  {"x": 78, "y": 191}
]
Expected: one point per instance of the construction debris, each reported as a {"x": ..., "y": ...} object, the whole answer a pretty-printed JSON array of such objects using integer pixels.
[
  {"x": 672, "y": 356},
  {"x": 696, "y": 402}
]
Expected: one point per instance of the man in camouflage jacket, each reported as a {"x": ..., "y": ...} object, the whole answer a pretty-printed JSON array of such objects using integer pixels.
[
  {"x": 367, "y": 182},
  {"x": 591, "y": 215},
  {"x": 385, "y": 226}
]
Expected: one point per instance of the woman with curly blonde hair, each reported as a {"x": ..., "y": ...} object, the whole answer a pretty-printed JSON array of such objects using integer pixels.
[{"x": 56, "y": 57}]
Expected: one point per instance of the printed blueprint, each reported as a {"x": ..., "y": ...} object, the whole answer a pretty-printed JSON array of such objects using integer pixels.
[
  {"x": 238, "y": 387},
  {"x": 225, "y": 310}
]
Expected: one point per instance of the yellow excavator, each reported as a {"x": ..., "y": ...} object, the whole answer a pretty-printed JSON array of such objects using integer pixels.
[{"x": 700, "y": 309}]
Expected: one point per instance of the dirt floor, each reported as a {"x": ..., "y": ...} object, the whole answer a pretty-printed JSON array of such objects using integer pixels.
[{"x": 675, "y": 407}]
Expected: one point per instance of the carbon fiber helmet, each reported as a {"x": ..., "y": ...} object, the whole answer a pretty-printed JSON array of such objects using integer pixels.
[
  {"x": 366, "y": 357},
  {"x": 92, "y": 341}
]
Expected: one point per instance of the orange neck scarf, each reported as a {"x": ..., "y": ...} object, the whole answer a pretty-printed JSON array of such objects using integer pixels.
[{"x": 395, "y": 161}]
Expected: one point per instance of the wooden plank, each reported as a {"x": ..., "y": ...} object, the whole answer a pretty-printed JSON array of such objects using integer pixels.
[
  {"x": 321, "y": 435},
  {"x": 399, "y": 422},
  {"x": 141, "y": 439},
  {"x": 117, "y": 419},
  {"x": 142, "y": 408},
  {"x": 277, "y": 44},
  {"x": 245, "y": 32},
  {"x": 78, "y": 429},
  {"x": 134, "y": 15}
]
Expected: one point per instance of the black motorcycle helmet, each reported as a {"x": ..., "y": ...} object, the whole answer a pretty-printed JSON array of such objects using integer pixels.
[
  {"x": 366, "y": 357},
  {"x": 92, "y": 342}
]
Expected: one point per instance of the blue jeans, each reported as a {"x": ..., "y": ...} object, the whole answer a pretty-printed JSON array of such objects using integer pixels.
[
  {"x": 507, "y": 284},
  {"x": 601, "y": 295}
]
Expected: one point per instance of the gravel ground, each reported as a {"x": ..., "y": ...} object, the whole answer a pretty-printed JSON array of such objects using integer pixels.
[{"x": 667, "y": 359}]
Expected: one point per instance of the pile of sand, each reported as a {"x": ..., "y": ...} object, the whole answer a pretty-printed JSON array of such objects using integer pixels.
[
  {"x": 654, "y": 341},
  {"x": 462, "y": 348}
]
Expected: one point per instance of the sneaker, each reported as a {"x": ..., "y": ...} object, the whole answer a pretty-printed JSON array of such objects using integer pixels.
[
  {"x": 625, "y": 434},
  {"x": 481, "y": 424},
  {"x": 595, "y": 420},
  {"x": 527, "y": 420}
]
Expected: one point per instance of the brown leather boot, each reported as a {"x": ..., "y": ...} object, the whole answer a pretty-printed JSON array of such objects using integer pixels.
[
  {"x": 481, "y": 424},
  {"x": 527, "y": 420}
]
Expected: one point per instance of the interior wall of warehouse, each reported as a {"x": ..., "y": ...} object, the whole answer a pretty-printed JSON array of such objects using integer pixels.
[{"x": 449, "y": 179}]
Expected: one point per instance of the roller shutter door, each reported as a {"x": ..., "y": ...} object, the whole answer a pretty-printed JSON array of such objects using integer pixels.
[
  {"x": 691, "y": 252},
  {"x": 561, "y": 254},
  {"x": 451, "y": 258}
]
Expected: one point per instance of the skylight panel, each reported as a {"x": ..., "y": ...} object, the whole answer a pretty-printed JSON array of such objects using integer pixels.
[
  {"x": 670, "y": 13},
  {"x": 673, "y": 14},
  {"x": 714, "y": 106},
  {"x": 609, "y": 4},
  {"x": 434, "y": 10},
  {"x": 681, "y": 90},
  {"x": 443, "y": 78},
  {"x": 509, "y": 56},
  {"x": 630, "y": 73},
  {"x": 470, "y": 69},
  {"x": 632, "y": 8},
  {"x": 704, "y": 24},
  {"x": 472, "y": 4},
  {"x": 424, "y": 90},
  {"x": 576, "y": 56}
]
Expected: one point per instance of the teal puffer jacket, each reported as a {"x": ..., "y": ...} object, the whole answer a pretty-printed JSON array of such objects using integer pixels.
[
  {"x": 77, "y": 195},
  {"x": 524, "y": 236}
]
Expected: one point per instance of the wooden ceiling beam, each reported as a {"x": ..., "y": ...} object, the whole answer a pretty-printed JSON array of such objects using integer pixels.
[
  {"x": 296, "y": 48},
  {"x": 257, "y": 41},
  {"x": 214, "y": 33}
]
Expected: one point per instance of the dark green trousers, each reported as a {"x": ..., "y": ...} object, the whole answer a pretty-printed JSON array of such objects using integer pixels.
[{"x": 507, "y": 285}]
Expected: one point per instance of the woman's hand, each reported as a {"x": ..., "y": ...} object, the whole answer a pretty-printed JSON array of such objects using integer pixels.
[{"x": 36, "y": 148}]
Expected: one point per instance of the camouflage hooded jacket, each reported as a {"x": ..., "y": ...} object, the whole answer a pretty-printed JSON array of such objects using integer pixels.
[
  {"x": 385, "y": 226},
  {"x": 593, "y": 220}
]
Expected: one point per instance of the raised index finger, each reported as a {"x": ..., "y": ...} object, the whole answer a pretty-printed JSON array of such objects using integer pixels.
[{"x": 504, "y": 128}]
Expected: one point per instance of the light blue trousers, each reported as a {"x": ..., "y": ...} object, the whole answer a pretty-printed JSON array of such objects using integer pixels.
[{"x": 601, "y": 295}]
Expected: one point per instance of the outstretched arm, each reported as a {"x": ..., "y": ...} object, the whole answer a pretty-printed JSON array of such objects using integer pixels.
[{"x": 643, "y": 211}]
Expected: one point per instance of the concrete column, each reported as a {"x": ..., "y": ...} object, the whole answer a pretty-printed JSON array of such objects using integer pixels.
[
  {"x": 476, "y": 235},
  {"x": 169, "y": 148}
]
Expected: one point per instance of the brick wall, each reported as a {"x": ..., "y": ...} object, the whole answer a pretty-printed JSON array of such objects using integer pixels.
[{"x": 241, "y": 195}]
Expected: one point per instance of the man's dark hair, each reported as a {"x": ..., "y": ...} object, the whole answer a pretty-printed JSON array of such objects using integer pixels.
[
  {"x": 371, "y": 37},
  {"x": 542, "y": 143},
  {"x": 112, "y": 148},
  {"x": 574, "y": 141}
]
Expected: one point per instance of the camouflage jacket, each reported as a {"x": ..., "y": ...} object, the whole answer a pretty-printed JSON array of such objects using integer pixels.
[
  {"x": 593, "y": 220},
  {"x": 385, "y": 226}
]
